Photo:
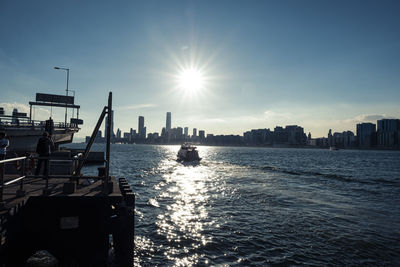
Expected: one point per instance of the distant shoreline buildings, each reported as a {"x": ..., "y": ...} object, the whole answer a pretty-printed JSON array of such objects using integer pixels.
[{"x": 385, "y": 134}]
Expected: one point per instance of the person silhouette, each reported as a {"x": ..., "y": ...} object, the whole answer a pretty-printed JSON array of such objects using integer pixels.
[{"x": 43, "y": 148}]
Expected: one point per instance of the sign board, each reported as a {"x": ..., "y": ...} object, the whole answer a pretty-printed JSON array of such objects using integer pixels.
[
  {"x": 55, "y": 98},
  {"x": 19, "y": 114},
  {"x": 76, "y": 121}
]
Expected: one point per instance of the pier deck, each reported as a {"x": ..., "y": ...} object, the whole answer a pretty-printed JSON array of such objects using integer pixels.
[{"x": 34, "y": 186}]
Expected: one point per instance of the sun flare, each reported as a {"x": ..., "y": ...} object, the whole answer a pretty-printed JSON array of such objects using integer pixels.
[{"x": 191, "y": 80}]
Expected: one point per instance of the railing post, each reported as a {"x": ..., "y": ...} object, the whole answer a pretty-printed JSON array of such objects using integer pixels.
[
  {"x": 21, "y": 191},
  {"x": 46, "y": 191},
  {"x": 2, "y": 203}
]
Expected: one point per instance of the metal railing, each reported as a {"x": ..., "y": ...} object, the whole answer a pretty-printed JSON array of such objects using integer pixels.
[
  {"x": 20, "y": 192},
  {"x": 21, "y": 165},
  {"x": 25, "y": 122}
]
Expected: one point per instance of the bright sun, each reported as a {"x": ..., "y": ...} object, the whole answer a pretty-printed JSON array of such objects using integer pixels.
[{"x": 191, "y": 80}]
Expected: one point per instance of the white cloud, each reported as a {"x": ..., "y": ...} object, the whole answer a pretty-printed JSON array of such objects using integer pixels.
[
  {"x": 272, "y": 115},
  {"x": 367, "y": 118},
  {"x": 38, "y": 112},
  {"x": 8, "y": 107},
  {"x": 138, "y": 106}
]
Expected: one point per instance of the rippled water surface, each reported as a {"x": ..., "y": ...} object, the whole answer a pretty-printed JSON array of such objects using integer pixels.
[{"x": 262, "y": 206}]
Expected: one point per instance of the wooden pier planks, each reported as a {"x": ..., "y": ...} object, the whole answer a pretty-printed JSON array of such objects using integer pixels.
[{"x": 34, "y": 187}]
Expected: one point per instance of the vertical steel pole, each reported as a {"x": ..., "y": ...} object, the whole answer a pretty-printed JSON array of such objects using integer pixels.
[
  {"x": 30, "y": 114},
  {"x": 1, "y": 183},
  {"x": 108, "y": 131},
  {"x": 66, "y": 109}
]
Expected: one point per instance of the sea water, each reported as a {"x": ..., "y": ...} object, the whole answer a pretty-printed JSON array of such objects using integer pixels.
[{"x": 263, "y": 206}]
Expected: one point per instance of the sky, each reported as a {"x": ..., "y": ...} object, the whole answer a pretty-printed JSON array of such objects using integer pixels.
[{"x": 317, "y": 64}]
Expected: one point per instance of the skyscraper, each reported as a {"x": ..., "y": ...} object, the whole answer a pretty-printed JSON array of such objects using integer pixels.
[
  {"x": 142, "y": 133},
  {"x": 366, "y": 134},
  {"x": 186, "y": 131},
  {"x": 388, "y": 133},
  {"x": 168, "y": 125},
  {"x": 194, "y": 132}
]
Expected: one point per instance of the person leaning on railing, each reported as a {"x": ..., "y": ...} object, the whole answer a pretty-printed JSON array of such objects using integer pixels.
[
  {"x": 4, "y": 143},
  {"x": 43, "y": 148}
]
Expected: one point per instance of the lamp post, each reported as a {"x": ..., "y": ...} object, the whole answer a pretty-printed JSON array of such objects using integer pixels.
[{"x": 58, "y": 68}]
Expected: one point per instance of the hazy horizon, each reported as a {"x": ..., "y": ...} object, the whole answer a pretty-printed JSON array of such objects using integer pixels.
[{"x": 224, "y": 67}]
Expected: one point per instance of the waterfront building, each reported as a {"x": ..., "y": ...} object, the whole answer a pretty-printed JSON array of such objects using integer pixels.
[
  {"x": 388, "y": 133},
  {"x": 133, "y": 134},
  {"x": 118, "y": 133},
  {"x": 168, "y": 122},
  {"x": 296, "y": 135},
  {"x": 366, "y": 134},
  {"x": 152, "y": 137},
  {"x": 142, "y": 129},
  {"x": 349, "y": 139},
  {"x": 179, "y": 133},
  {"x": 202, "y": 134},
  {"x": 258, "y": 137},
  {"x": 221, "y": 140},
  {"x": 281, "y": 136}
]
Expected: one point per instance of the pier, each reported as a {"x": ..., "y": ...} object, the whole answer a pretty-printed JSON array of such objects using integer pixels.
[{"x": 80, "y": 220}]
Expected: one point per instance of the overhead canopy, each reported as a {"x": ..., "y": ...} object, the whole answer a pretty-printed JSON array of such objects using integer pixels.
[
  {"x": 54, "y": 98},
  {"x": 51, "y": 100}
]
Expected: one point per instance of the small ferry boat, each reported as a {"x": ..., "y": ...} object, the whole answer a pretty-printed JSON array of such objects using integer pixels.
[
  {"x": 24, "y": 132},
  {"x": 188, "y": 152}
]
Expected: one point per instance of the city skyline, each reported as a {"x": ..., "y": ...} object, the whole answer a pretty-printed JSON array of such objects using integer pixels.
[
  {"x": 223, "y": 67},
  {"x": 380, "y": 124},
  {"x": 385, "y": 134}
]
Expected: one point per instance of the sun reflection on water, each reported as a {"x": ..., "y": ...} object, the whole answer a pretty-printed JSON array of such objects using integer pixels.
[{"x": 184, "y": 193}]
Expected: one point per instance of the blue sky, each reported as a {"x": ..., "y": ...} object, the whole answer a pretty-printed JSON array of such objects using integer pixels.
[{"x": 317, "y": 64}]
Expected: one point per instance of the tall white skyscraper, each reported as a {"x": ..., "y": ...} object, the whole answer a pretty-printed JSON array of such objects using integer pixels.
[
  {"x": 142, "y": 129},
  {"x": 168, "y": 125}
]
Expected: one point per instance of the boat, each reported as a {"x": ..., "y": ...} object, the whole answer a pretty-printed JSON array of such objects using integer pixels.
[
  {"x": 23, "y": 131},
  {"x": 333, "y": 148},
  {"x": 187, "y": 152}
]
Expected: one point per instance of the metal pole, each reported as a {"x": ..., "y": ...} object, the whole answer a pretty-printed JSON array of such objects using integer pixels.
[
  {"x": 91, "y": 140},
  {"x": 1, "y": 183},
  {"x": 108, "y": 131},
  {"x": 66, "y": 109}
]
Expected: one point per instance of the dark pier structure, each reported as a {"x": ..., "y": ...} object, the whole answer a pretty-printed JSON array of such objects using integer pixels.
[{"x": 79, "y": 220}]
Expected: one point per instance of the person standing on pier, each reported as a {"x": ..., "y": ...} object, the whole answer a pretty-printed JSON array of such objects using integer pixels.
[
  {"x": 4, "y": 143},
  {"x": 43, "y": 148}
]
